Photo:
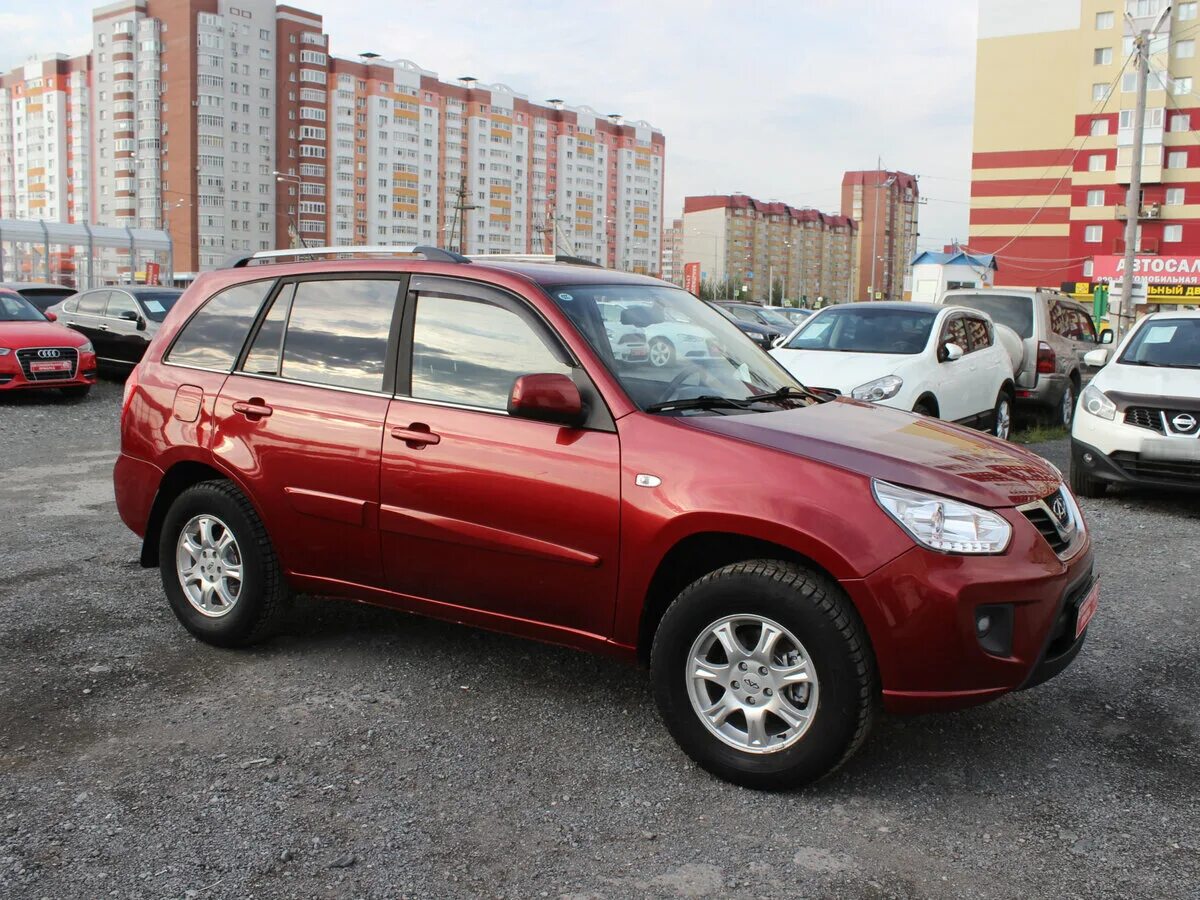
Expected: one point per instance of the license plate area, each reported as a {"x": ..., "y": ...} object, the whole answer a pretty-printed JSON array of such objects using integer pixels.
[
  {"x": 41, "y": 367},
  {"x": 1087, "y": 609}
]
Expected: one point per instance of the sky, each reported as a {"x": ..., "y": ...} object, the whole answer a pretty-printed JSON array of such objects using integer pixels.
[{"x": 770, "y": 99}]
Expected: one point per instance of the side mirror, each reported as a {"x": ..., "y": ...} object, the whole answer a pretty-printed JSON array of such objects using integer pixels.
[
  {"x": 952, "y": 352},
  {"x": 50, "y": 317},
  {"x": 1106, "y": 336},
  {"x": 1096, "y": 358},
  {"x": 547, "y": 397}
]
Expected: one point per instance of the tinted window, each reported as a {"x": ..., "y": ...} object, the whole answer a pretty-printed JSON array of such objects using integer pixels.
[
  {"x": 337, "y": 333},
  {"x": 214, "y": 336},
  {"x": 267, "y": 349},
  {"x": 44, "y": 298},
  {"x": 979, "y": 333},
  {"x": 1087, "y": 330},
  {"x": 471, "y": 351},
  {"x": 1014, "y": 312},
  {"x": 119, "y": 302},
  {"x": 1063, "y": 320},
  {"x": 955, "y": 332},
  {"x": 861, "y": 328},
  {"x": 92, "y": 303}
]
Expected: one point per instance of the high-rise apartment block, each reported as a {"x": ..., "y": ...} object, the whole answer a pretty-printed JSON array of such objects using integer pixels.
[
  {"x": 749, "y": 245},
  {"x": 1053, "y": 135},
  {"x": 672, "y": 252},
  {"x": 885, "y": 206},
  {"x": 232, "y": 127}
]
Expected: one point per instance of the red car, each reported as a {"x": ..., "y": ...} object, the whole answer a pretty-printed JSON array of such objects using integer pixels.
[
  {"x": 459, "y": 438},
  {"x": 35, "y": 353}
]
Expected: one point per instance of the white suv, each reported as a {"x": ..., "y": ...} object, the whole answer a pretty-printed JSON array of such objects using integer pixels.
[
  {"x": 1138, "y": 421},
  {"x": 939, "y": 361}
]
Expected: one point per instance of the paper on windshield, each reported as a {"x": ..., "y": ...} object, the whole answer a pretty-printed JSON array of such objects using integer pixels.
[{"x": 154, "y": 306}]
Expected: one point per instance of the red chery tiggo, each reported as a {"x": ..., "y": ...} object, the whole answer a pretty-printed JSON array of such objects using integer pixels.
[
  {"x": 37, "y": 354},
  {"x": 467, "y": 439}
]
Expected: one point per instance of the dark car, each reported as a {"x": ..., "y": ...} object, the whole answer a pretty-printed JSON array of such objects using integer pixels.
[
  {"x": 459, "y": 438},
  {"x": 119, "y": 321},
  {"x": 41, "y": 295},
  {"x": 762, "y": 335},
  {"x": 766, "y": 316}
]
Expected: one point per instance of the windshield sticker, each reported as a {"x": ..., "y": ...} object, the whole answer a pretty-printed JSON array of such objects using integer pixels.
[
  {"x": 1159, "y": 334},
  {"x": 154, "y": 306},
  {"x": 565, "y": 296}
]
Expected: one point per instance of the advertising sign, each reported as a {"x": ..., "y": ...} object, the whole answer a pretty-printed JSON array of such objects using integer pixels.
[
  {"x": 1174, "y": 270},
  {"x": 152, "y": 269},
  {"x": 691, "y": 278}
]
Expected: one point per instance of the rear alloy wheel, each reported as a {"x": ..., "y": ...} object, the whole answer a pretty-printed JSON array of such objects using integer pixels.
[
  {"x": 662, "y": 352},
  {"x": 1066, "y": 408},
  {"x": 219, "y": 570},
  {"x": 764, "y": 675},
  {"x": 1002, "y": 416}
]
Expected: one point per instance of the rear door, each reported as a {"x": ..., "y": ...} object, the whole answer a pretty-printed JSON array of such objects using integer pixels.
[
  {"x": 990, "y": 367},
  {"x": 301, "y": 420},
  {"x": 514, "y": 517},
  {"x": 88, "y": 318}
]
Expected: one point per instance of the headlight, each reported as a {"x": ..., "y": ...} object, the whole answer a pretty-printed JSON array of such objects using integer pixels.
[
  {"x": 4, "y": 351},
  {"x": 1097, "y": 403},
  {"x": 880, "y": 389},
  {"x": 86, "y": 347},
  {"x": 941, "y": 524}
]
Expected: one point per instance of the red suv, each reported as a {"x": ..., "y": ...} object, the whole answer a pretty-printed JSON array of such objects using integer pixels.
[{"x": 461, "y": 438}]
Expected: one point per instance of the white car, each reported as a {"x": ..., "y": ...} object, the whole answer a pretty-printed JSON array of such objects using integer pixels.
[
  {"x": 1138, "y": 421},
  {"x": 935, "y": 360},
  {"x": 669, "y": 339}
]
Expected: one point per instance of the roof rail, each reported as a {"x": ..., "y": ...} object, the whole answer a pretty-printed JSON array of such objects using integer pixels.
[
  {"x": 433, "y": 254},
  {"x": 533, "y": 258}
]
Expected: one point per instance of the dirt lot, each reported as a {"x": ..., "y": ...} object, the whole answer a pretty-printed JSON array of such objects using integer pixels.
[{"x": 369, "y": 754}]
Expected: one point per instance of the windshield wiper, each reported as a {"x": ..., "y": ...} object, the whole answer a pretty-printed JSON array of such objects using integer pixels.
[
  {"x": 787, "y": 392},
  {"x": 708, "y": 401}
]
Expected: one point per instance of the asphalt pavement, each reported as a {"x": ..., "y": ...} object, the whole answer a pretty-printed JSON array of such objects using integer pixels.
[{"x": 369, "y": 754}]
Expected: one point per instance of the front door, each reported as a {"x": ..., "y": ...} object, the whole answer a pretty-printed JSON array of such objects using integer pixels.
[
  {"x": 954, "y": 376},
  {"x": 126, "y": 335},
  {"x": 485, "y": 510},
  {"x": 301, "y": 420}
]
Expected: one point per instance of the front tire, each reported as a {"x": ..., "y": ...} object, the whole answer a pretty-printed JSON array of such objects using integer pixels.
[
  {"x": 925, "y": 408},
  {"x": 219, "y": 570},
  {"x": 764, "y": 675},
  {"x": 662, "y": 352},
  {"x": 1066, "y": 406},
  {"x": 1083, "y": 486}
]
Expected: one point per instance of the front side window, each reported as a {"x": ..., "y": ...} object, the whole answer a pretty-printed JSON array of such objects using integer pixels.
[
  {"x": 955, "y": 332},
  {"x": 470, "y": 351},
  {"x": 855, "y": 328},
  {"x": 337, "y": 332},
  {"x": 119, "y": 304},
  {"x": 1165, "y": 343},
  {"x": 214, "y": 336},
  {"x": 158, "y": 303}
]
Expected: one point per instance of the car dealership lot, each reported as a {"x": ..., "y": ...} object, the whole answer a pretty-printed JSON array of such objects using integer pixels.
[{"x": 371, "y": 754}]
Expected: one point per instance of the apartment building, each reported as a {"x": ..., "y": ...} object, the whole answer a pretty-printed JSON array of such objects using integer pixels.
[
  {"x": 672, "y": 252},
  {"x": 1053, "y": 136},
  {"x": 885, "y": 204},
  {"x": 232, "y": 127},
  {"x": 748, "y": 245}
]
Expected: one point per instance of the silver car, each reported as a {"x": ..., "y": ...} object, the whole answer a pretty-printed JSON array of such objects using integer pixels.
[{"x": 1051, "y": 335}]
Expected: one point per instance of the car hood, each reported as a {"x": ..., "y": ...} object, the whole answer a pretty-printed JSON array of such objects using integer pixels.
[
  {"x": 1151, "y": 381},
  {"x": 842, "y": 371},
  {"x": 15, "y": 335},
  {"x": 905, "y": 449}
]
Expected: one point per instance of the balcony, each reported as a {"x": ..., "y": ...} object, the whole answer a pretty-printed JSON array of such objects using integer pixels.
[{"x": 1146, "y": 211}]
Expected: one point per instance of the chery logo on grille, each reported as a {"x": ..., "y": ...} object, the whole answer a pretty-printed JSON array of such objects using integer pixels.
[
  {"x": 49, "y": 354},
  {"x": 1059, "y": 509},
  {"x": 1183, "y": 422}
]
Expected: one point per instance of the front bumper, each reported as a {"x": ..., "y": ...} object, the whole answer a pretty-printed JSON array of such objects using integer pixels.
[
  {"x": 14, "y": 377},
  {"x": 1134, "y": 468},
  {"x": 920, "y": 612}
]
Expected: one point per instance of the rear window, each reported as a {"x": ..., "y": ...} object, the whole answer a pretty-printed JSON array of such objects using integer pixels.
[
  {"x": 213, "y": 338},
  {"x": 1015, "y": 312}
]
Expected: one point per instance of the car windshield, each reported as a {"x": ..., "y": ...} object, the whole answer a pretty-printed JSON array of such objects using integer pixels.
[
  {"x": 15, "y": 308},
  {"x": 692, "y": 352},
  {"x": 1013, "y": 312},
  {"x": 860, "y": 328},
  {"x": 1169, "y": 343},
  {"x": 776, "y": 319},
  {"x": 157, "y": 303}
]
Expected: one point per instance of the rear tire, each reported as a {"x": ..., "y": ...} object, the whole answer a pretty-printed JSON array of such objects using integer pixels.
[
  {"x": 1083, "y": 486},
  {"x": 210, "y": 533},
  {"x": 1002, "y": 415},
  {"x": 825, "y": 716}
]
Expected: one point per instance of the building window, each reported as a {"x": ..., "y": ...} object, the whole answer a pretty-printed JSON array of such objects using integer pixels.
[
  {"x": 1185, "y": 49},
  {"x": 1093, "y": 234},
  {"x": 1181, "y": 122},
  {"x": 1175, "y": 197},
  {"x": 1182, "y": 86},
  {"x": 1177, "y": 160},
  {"x": 1102, "y": 56},
  {"x": 1099, "y": 91},
  {"x": 1187, "y": 11},
  {"x": 1095, "y": 198},
  {"x": 1099, "y": 127},
  {"x": 1172, "y": 234},
  {"x": 1097, "y": 162},
  {"x": 1087, "y": 268},
  {"x": 1104, "y": 21},
  {"x": 1129, "y": 82}
]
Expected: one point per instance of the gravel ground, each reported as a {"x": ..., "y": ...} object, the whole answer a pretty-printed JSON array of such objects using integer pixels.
[{"x": 371, "y": 754}]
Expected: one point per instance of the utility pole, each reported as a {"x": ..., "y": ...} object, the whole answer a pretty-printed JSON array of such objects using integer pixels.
[
  {"x": 459, "y": 213},
  {"x": 1133, "y": 199}
]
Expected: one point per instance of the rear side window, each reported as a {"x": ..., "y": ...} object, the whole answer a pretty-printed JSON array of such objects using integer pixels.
[
  {"x": 337, "y": 332},
  {"x": 1012, "y": 311},
  {"x": 214, "y": 336},
  {"x": 979, "y": 333},
  {"x": 92, "y": 303}
]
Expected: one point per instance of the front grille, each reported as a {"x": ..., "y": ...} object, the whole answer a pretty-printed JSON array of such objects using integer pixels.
[
  {"x": 1043, "y": 521},
  {"x": 30, "y": 355},
  {"x": 1145, "y": 417},
  {"x": 1155, "y": 469}
]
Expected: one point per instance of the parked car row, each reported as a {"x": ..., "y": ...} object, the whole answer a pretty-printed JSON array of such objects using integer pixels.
[{"x": 36, "y": 353}]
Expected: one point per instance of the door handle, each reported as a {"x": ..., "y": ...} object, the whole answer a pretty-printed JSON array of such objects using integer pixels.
[
  {"x": 102, "y": 328},
  {"x": 253, "y": 409},
  {"x": 416, "y": 435}
]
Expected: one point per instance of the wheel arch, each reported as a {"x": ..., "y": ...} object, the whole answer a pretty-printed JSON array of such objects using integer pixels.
[
  {"x": 929, "y": 398},
  {"x": 178, "y": 478}
]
